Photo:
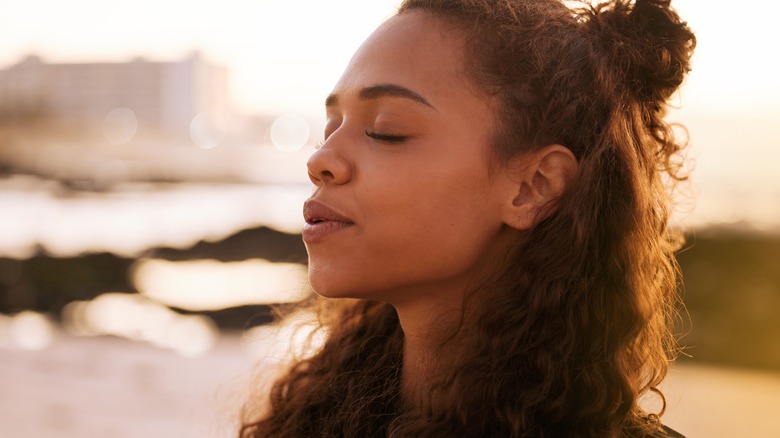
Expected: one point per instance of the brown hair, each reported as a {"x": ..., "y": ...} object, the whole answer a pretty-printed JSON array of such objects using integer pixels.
[{"x": 578, "y": 324}]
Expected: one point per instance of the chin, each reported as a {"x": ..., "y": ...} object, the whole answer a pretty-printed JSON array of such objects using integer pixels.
[
  {"x": 326, "y": 286},
  {"x": 332, "y": 281}
]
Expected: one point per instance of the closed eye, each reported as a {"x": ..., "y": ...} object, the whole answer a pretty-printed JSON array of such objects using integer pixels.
[{"x": 386, "y": 137}]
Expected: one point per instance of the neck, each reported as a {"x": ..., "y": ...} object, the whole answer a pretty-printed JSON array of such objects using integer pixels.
[
  {"x": 437, "y": 328},
  {"x": 430, "y": 345}
]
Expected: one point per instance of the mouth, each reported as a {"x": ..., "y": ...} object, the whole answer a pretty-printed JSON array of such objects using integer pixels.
[
  {"x": 315, "y": 212},
  {"x": 322, "y": 221},
  {"x": 319, "y": 220}
]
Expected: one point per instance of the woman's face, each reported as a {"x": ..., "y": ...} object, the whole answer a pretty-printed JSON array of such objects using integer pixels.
[{"x": 404, "y": 206}]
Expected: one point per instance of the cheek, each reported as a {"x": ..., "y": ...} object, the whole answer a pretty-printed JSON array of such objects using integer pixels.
[
  {"x": 452, "y": 226},
  {"x": 415, "y": 229}
]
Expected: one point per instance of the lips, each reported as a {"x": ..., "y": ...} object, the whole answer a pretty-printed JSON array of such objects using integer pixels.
[{"x": 321, "y": 221}]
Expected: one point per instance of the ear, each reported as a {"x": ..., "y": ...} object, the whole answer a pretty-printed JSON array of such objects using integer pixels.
[{"x": 538, "y": 179}]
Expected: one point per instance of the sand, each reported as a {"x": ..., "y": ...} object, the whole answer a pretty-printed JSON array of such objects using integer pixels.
[{"x": 109, "y": 387}]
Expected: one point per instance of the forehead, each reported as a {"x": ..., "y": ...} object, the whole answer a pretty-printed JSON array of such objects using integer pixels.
[{"x": 415, "y": 50}]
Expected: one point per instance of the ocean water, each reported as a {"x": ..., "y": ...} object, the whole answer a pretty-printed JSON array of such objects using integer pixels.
[
  {"x": 136, "y": 217},
  {"x": 731, "y": 163}
]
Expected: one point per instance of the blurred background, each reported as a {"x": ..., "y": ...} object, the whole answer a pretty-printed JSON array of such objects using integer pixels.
[{"x": 152, "y": 171}]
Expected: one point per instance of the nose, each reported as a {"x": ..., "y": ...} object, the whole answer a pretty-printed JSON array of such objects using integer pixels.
[{"x": 327, "y": 166}]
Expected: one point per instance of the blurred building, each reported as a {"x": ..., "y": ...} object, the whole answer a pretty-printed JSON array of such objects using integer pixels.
[{"x": 165, "y": 96}]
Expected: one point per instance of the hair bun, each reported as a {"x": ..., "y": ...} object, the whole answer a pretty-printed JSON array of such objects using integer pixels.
[{"x": 648, "y": 43}]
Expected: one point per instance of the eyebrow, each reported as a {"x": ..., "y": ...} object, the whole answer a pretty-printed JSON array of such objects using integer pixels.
[{"x": 383, "y": 90}]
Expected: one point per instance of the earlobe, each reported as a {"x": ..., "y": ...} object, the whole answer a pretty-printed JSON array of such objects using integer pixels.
[{"x": 540, "y": 178}]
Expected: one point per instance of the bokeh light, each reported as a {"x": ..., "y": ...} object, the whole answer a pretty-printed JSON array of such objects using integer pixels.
[
  {"x": 191, "y": 335},
  {"x": 30, "y": 330},
  {"x": 120, "y": 126},
  {"x": 289, "y": 133},
  {"x": 138, "y": 318},
  {"x": 207, "y": 284},
  {"x": 208, "y": 129}
]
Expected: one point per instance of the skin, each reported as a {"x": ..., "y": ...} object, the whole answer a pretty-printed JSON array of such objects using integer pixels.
[
  {"x": 406, "y": 163},
  {"x": 424, "y": 203}
]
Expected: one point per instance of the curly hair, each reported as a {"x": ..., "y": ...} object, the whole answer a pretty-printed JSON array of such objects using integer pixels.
[{"x": 577, "y": 326}]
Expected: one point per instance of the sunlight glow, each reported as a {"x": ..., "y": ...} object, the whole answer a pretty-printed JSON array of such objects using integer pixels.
[
  {"x": 296, "y": 337},
  {"x": 129, "y": 222},
  {"x": 207, "y": 284},
  {"x": 138, "y": 318},
  {"x": 276, "y": 63},
  {"x": 30, "y": 330}
]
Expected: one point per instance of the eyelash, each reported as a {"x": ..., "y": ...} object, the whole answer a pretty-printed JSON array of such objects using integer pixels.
[
  {"x": 386, "y": 137},
  {"x": 376, "y": 136}
]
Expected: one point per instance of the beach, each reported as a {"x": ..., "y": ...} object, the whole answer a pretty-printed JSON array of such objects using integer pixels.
[
  {"x": 111, "y": 387},
  {"x": 104, "y": 386}
]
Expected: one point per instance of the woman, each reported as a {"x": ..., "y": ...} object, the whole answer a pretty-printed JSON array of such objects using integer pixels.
[{"x": 488, "y": 231}]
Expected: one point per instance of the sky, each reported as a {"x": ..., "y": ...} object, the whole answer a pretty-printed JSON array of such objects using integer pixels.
[{"x": 284, "y": 57}]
